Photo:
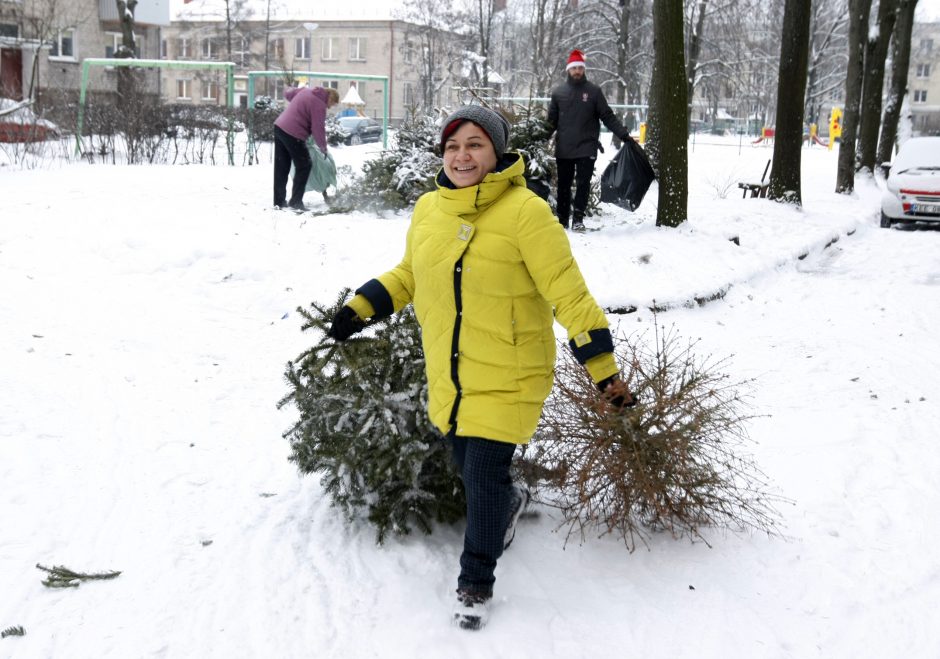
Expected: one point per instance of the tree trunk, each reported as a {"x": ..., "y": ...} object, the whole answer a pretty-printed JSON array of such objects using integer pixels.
[
  {"x": 126, "y": 76},
  {"x": 695, "y": 47},
  {"x": 859, "y": 11},
  {"x": 791, "y": 88},
  {"x": 873, "y": 85},
  {"x": 671, "y": 103},
  {"x": 900, "y": 62}
]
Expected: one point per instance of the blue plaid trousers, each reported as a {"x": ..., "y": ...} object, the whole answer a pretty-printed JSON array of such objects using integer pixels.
[{"x": 484, "y": 467}]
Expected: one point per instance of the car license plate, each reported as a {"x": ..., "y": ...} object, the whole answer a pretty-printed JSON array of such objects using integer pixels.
[{"x": 927, "y": 209}]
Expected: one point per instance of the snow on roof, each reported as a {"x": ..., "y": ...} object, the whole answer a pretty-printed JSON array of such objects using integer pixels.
[
  {"x": 918, "y": 152},
  {"x": 214, "y": 10},
  {"x": 352, "y": 97}
]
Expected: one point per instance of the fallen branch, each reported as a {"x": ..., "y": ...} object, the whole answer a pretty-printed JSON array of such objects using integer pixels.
[{"x": 62, "y": 577}]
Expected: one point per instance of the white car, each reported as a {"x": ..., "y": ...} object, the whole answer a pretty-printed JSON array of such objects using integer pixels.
[{"x": 913, "y": 184}]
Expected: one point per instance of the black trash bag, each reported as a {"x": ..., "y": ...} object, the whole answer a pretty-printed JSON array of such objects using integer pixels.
[
  {"x": 627, "y": 177},
  {"x": 539, "y": 187}
]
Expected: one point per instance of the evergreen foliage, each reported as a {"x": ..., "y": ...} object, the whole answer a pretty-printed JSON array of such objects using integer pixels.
[
  {"x": 63, "y": 577},
  {"x": 363, "y": 425},
  {"x": 13, "y": 631},
  {"x": 398, "y": 176}
]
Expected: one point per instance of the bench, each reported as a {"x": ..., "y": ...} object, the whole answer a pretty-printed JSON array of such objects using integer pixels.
[{"x": 757, "y": 190}]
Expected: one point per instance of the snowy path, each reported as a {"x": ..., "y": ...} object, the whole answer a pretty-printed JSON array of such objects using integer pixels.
[{"x": 142, "y": 356}]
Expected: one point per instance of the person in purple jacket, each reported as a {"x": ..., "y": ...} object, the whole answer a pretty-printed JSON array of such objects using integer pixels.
[{"x": 305, "y": 115}]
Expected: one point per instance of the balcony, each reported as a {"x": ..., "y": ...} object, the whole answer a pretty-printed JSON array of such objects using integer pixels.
[{"x": 147, "y": 12}]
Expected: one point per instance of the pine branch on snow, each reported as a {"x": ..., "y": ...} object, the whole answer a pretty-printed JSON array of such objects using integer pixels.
[
  {"x": 62, "y": 577},
  {"x": 363, "y": 425},
  {"x": 13, "y": 631},
  {"x": 673, "y": 462}
]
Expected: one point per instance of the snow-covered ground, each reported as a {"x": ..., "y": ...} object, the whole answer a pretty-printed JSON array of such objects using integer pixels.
[{"x": 147, "y": 313}]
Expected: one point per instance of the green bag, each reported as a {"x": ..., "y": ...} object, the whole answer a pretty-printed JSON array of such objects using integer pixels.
[{"x": 323, "y": 172}]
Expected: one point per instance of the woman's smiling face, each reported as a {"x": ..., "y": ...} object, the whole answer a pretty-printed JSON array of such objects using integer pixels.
[{"x": 468, "y": 155}]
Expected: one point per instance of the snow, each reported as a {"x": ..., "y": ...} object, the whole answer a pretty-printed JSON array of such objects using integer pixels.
[
  {"x": 146, "y": 316},
  {"x": 374, "y": 10}
]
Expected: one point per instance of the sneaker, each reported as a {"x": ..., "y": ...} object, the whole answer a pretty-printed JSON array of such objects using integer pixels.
[
  {"x": 471, "y": 610},
  {"x": 578, "y": 226},
  {"x": 297, "y": 206},
  {"x": 520, "y": 501}
]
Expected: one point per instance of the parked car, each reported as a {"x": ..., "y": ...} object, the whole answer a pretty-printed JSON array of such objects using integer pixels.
[
  {"x": 358, "y": 130},
  {"x": 913, "y": 183},
  {"x": 18, "y": 123}
]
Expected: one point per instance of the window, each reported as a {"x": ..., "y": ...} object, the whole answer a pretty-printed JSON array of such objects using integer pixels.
[
  {"x": 328, "y": 50},
  {"x": 164, "y": 51},
  {"x": 357, "y": 49},
  {"x": 242, "y": 55},
  {"x": 302, "y": 48},
  {"x": 9, "y": 30},
  {"x": 920, "y": 95},
  {"x": 183, "y": 48},
  {"x": 409, "y": 90},
  {"x": 408, "y": 53},
  {"x": 183, "y": 89},
  {"x": 923, "y": 70},
  {"x": 926, "y": 44},
  {"x": 64, "y": 45},
  {"x": 210, "y": 50},
  {"x": 277, "y": 48},
  {"x": 210, "y": 90},
  {"x": 279, "y": 89},
  {"x": 331, "y": 84},
  {"x": 113, "y": 41}
]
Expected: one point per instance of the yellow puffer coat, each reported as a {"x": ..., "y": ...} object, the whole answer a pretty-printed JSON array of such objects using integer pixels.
[{"x": 484, "y": 266}]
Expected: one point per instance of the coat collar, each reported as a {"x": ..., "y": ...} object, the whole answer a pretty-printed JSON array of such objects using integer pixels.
[{"x": 509, "y": 171}]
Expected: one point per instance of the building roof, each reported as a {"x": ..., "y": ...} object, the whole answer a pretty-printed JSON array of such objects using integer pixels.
[{"x": 295, "y": 10}]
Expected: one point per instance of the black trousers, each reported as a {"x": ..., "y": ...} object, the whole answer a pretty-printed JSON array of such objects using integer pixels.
[
  {"x": 484, "y": 468},
  {"x": 287, "y": 149},
  {"x": 579, "y": 171}
]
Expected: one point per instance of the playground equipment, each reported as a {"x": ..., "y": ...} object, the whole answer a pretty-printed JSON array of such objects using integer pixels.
[
  {"x": 229, "y": 68},
  {"x": 766, "y": 133},
  {"x": 253, "y": 75}
]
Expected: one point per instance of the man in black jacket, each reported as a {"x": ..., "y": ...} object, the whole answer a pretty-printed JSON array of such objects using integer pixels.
[{"x": 575, "y": 112}]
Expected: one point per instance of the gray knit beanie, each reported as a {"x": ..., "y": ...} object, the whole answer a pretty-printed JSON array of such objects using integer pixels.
[{"x": 490, "y": 121}]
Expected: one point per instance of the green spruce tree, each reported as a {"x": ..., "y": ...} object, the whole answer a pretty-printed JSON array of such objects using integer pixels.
[{"x": 363, "y": 425}]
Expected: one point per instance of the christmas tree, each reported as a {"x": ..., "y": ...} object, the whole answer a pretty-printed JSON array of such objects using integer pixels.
[{"x": 363, "y": 425}]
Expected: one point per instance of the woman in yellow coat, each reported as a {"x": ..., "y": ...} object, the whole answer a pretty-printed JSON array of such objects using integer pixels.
[{"x": 488, "y": 269}]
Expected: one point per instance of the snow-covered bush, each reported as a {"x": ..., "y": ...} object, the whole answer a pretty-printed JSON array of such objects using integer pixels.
[
  {"x": 399, "y": 175},
  {"x": 363, "y": 425}
]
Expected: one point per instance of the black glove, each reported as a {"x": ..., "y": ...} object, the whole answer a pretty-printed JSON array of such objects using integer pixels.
[
  {"x": 615, "y": 391},
  {"x": 626, "y": 137},
  {"x": 345, "y": 324}
]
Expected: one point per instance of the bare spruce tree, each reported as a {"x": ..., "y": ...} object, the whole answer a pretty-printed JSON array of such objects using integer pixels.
[
  {"x": 859, "y": 11},
  {"x": 791, "y": 87},
  {"x": 900, "y": 62},
  {"x": 873, "y": 85},
  {"x": 668, "y": 96}
]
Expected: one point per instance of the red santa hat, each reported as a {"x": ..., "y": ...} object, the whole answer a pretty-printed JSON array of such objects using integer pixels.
[{"x": 576, "y": 58}]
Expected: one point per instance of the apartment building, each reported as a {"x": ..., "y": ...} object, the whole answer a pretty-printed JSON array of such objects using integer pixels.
[
  {"x": 43, "y": 44},
  {"x": 334, "y": 50},
  {"x": 923, "y": 79}
]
